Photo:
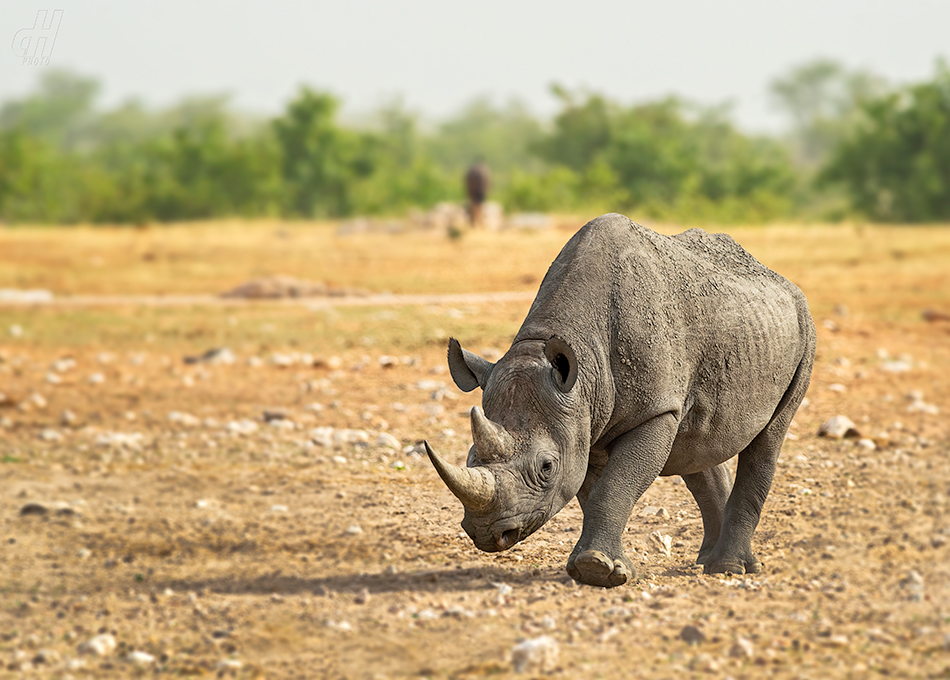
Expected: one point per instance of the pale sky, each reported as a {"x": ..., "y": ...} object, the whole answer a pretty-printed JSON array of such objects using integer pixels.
[{"x": 439, "y": 54}]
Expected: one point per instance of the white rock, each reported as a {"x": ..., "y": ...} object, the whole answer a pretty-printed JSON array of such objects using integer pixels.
[
  {"x": 36, "y": 400},
  {"x": 387, "y": 361},
  {"x": 230, "y": 664},
  {"x": 538, "y": 654},
  {"x": 322, "y": 436},
  {"x": 15, "y": 330},
  {"x": 867, "y": 444},
  {"x": 350, "y": 436},
  {"x": 67, "y": 418},
  {"x": 100, "y": 645},
  {"x": 340, "y": 460},
  {"x": 140, "y": 657},
  {"x": 255, "y": 362},
  {"x": 242, "y": 427},
  {"x": 838, "y": 427},
  {"x": 183, "y": 419},
  {"x": 63, "y": 365},
  {"x": 742, "y": 649},
  {"x": 51, "y": 435},
  {"x": 662, "y": 543},
  {"x": 278, "y": 508},
  {"x": 282, "y": 360},
  {"x": 897, "y": 366},
  {"x": 125, "y": 440},
  {"x": 354, "y": 530},
  {"x": 388, "y": 441},
  {"x": 282, "y": 424},
  {"x": 96, "y": 379},
  {"x": 921, "y": 406},
  {"x": 837, "y": 387},
  {"x": 913, "y": 585}
]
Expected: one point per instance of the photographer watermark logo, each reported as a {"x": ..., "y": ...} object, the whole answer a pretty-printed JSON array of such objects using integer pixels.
[{"x": 35, "y": 45}]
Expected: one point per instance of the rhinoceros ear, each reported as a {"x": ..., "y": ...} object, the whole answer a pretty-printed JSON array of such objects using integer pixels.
[
  {"x": 468, "y": 370},
  {"x": 564, "y": 362}
]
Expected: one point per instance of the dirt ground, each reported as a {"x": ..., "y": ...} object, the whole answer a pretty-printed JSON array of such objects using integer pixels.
[{"x": 268, "y": 513}]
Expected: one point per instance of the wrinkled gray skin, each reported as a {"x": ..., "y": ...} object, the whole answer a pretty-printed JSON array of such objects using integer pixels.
[{"x": 642, "y": 355}]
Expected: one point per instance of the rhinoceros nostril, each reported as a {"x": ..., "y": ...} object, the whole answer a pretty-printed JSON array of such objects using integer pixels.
[{"x": 509, "y": 538}]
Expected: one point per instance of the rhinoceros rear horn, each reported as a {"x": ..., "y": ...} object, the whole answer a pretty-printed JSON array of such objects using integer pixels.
[
  {"x": 475, "y": 487},
  {"x": 564, "y": 362},
  {"x": 492, "y": 441}
]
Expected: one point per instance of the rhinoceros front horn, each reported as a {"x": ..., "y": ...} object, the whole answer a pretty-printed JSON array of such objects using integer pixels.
[
  {"x": 475, "y": 487},
  {"x": 492, "y": 441}
]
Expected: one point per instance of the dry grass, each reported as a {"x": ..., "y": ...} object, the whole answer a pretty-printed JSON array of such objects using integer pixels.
[
  {"x": 885, "y": 269},
  {"x": 187, "y": 559}
]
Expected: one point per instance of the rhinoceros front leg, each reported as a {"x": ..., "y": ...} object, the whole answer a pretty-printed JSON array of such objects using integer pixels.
[
  {"x": 607, "y": 500},
  {"x": 711, "y": 490}
]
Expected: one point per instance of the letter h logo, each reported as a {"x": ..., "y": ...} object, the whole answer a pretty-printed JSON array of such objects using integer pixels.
[{"x": 35, "y": 45}]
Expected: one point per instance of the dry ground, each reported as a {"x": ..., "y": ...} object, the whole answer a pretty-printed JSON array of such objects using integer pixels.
[{"x": 201, "y": 542}]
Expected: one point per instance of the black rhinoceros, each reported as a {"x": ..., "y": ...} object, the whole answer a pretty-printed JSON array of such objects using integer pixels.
[{"x": 642, "y": 355}]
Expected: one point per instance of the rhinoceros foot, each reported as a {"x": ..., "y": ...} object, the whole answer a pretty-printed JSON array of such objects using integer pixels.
[
  {"x": 597, "y": 569},
  {"x": 749, "y": 565}
]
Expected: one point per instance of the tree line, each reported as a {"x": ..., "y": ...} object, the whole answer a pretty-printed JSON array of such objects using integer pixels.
[{"x": 855, "y": 147}]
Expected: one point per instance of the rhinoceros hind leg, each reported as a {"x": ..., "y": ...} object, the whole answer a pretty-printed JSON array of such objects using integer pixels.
[
  {"x": 733, "y": 551},
  {"x": 711, "y": 490},
  {"x": 597, "y": 569}
]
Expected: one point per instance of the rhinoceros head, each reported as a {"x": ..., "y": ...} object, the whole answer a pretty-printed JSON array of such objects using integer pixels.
[{"x": 530, "y": 446}]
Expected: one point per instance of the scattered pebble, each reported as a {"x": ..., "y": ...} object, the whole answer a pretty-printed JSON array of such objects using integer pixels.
[
  {"x": 386, "y": 440},
  {"x": 216, "y": 356},
  {"x": 362, "y": 597},
  {"x": 47, "y": 656},
  {"x": 100, "y": 645},
  {"x": 183, "y": 419},
  {"x": 838, "y": 427},
  {"x": 692, "y": 635},
  {"x": 662, "y": 543},
  {"x": 242, "y": 427},
  {"x": 354, "y": 530},
  {"x": 33, "y": 509},
  {"x": 50, "y": 435},
  {"x": 124, "y": 440},
  {"x": 278, "y": 508},
  {"x": 705, "y": 663},
  {"x": 913, "y": 586},
  {"x": 36, "y": 400},
  {"x": 140, "y": 657},
  {"x": 230, "y": 664},
  {"x": 96, "y": 379},
  {"x": 538, "y": 654},
  {"x": 742, "y": 649}
]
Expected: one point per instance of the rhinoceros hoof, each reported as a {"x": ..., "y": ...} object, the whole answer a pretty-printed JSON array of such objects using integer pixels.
[
  {"x": 750, "y": 566},
  {"x": 597, "y": 569}
]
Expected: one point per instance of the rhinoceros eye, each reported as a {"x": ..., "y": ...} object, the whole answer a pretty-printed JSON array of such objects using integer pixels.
[{"x": 547, "y": 467}]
